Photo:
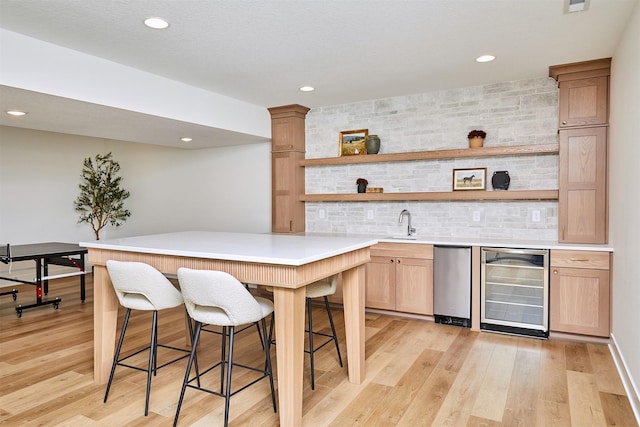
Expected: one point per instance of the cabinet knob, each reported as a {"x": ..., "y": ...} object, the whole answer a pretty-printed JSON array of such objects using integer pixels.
[
  {"x": 555, "y": 271},
  {"x": 398, "y": 261},
  {"x": 564, "y": 122},
  {"x": 391, "y": 261}
]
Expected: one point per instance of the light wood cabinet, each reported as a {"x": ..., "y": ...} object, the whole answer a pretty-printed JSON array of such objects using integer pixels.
[
  {"x": 400, "y": 278},
  {"x": 582, "y": 161},
  {"x": 287, "y": 212},
  {"x": 580, "y": 292},
  {"x": 287, "y": 175},
  {"x": 583, "y": 102},
  {"x": 582, "y": 198}
]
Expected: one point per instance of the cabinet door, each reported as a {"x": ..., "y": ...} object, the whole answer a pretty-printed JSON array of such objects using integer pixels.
[
  {"x": 287, "y": 211},
  {"x": 582, "y": 203},
  {"x": 579, "y": 301},
  {"x": 381, "y": 283},
  {"x": 583, "y": 102},
  {"x": 414, "y": 285}
]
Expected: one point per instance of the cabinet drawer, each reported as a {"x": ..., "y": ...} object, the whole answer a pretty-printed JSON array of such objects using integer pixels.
[
  {"x": 580, "y": 259},
  {"x": 402, "y": 250}
]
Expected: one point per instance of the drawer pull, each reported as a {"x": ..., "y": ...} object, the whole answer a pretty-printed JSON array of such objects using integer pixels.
[{"x": 580, "y": 259}]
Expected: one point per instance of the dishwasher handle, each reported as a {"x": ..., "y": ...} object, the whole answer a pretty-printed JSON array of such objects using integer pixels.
[{"x": 516, "y": 251}]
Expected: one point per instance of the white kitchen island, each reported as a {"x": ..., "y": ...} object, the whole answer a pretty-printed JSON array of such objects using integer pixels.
[{"x": 286, "y": 262}]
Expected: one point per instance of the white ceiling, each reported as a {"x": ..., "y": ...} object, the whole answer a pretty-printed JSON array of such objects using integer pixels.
[{"x": 262, "y": 51}]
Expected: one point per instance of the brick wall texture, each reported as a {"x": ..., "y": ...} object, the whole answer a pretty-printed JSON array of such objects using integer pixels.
[{"x": 511, "y": 113}]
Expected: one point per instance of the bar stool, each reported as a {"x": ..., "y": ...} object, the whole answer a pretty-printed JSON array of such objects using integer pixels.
[
  {"x": 217, "y": 298},
  {"x": 139, "y": 286},
  {"x": 322, "y": 288}
]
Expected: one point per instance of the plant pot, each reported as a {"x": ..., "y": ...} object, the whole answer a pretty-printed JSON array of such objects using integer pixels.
[{"x": 476, "y": 142}]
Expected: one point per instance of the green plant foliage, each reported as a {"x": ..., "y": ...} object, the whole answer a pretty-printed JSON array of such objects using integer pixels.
[{"x": 101, "y": 199}]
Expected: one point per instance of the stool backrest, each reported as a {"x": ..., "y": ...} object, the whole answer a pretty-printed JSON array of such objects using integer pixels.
[
  {"x": 232, "y": 303},
  {"x": 132, "y": 280}
]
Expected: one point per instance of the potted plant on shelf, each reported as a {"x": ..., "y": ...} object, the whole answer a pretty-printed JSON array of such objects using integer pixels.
[
  {"x": 362, "y": 185},
  {"x": 476, "y": 138}
]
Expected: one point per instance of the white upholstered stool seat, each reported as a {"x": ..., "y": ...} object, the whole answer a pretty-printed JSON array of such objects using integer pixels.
[
  {"x": 217, "y": 298},
  {"x": 139, "y": 286}
]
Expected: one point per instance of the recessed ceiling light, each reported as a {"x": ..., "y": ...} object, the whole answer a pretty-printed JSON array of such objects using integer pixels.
[
  {"x": 16, "y": 113},
  {"x": 156, "y": 23},
  {"x": 485, "y": 58},
  {"x": 307, "y": 89},
  {"x": 186, "y": 139}
]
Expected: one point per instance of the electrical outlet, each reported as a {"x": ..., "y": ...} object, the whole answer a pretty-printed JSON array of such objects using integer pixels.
[
  {"x": 321, "y": 213},
  {"x": 370, "y": 214},
  {"x": 535, "y": 215},
  {"x": 476, "y": 216}
]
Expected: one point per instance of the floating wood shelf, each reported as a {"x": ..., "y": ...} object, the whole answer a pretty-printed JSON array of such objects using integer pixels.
[
  {"x": 435, "y": 196},
  {"x": 458, "y": 153}
]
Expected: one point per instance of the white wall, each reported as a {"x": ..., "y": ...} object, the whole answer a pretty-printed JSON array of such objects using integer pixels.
[
  {"x": 171, "y": 189},
  {"x": 624, "y": 206}
]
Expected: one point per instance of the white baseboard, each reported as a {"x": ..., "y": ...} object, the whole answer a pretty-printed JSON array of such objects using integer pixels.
[{"x": 627, "y": 381}]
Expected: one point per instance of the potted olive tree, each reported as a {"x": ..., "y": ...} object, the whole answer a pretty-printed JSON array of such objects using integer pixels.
[{"x": 101, "y": 199}]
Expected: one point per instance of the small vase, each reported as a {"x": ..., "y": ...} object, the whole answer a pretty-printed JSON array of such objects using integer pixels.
[
  {"x": 476, "y": 142},
  {"x": 373, "y": 144},
  {"x": 362, "y": 188}
]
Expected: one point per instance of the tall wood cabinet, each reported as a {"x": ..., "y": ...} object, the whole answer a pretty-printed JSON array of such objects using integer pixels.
[
  {"x": 287, "y": 174},
  {"x": 582, "y": 164},
  {"x": 400, "y": 278},
  {"x": 579, "y": 292}
]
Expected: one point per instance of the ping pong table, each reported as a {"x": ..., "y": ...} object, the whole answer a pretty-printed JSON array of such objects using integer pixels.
[{"x": 44, "y": 255}]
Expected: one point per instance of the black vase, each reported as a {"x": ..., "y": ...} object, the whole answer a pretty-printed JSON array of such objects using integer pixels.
[{"x": 362, "y": 188}]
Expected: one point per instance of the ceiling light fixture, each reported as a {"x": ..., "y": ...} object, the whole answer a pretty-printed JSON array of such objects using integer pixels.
[
  {"x": 16, "y": 113},
  {"x": 156, "y": 23},
  {"x": 485, "y": 58},
  {"x": 307, "y": 89},
  {"x": 186, "y": 139}
]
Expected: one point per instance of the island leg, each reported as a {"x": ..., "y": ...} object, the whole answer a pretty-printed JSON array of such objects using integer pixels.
[
  {"x": 105, "y": 318},
  {"x": 289, "y": 314},
  {"x": 353, "y": 292}
]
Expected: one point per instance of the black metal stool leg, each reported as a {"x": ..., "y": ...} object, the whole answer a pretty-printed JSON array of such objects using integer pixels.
[
  {"x": 117, "y": 354},
  {"x": 333, "y": 328},
  {"x": 227, "y": 395},
  {"x": 222, "y": 358},
  {"x": 194, "y": 345},
  {"x": 311, "y": 351},
  {"x": 268, "y": 367},
  {"x": 152, "y": 359}
]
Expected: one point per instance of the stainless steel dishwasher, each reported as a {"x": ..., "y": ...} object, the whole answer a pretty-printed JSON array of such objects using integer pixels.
[{"x": 452, "y": 285}]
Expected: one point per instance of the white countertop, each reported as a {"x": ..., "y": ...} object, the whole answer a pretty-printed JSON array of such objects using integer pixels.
[
  {"x": 499, "y": 243},
  {"x": 281, "y": 249},
  {"x": 488, "y": 242}
]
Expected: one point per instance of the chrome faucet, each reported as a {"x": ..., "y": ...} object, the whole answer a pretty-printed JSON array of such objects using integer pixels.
[{"x": 410, "y": 229}]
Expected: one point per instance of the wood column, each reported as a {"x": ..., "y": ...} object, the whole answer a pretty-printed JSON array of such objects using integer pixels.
[{"x": 287, "y": 173}]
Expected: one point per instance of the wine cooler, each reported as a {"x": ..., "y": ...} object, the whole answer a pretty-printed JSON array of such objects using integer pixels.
[{"x": 515, "y": 291}]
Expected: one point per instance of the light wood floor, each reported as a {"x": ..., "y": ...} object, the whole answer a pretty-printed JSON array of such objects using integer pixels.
[{"x": 418, "y": 373}]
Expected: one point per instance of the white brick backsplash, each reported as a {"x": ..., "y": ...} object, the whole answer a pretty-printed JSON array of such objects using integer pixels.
[{"x": 512, "y": 113}]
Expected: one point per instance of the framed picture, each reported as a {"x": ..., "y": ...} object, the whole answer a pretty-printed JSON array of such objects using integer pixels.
[
  {"x": 470, "y": 179},
  {"x": 353, "y": 142}
]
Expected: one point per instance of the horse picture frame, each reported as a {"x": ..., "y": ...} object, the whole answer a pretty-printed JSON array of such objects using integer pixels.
[{"x": 470, "y": 179}]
